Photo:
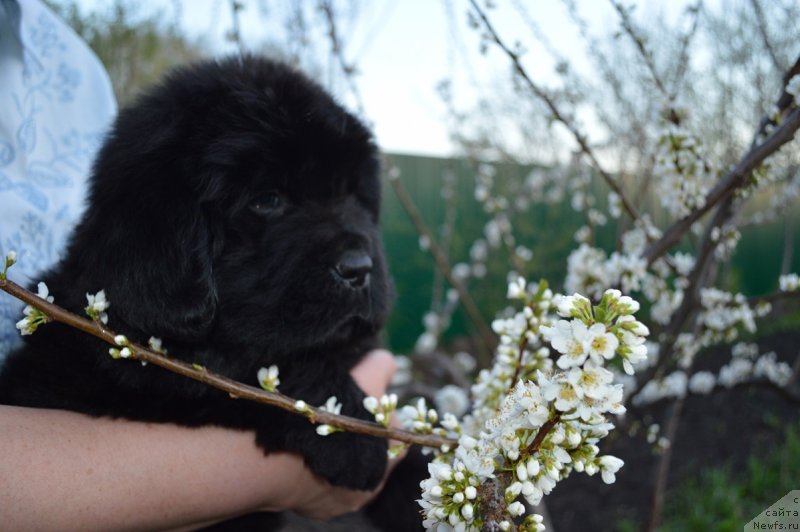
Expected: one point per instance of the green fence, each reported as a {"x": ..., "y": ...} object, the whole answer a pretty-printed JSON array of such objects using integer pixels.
[{"x": 547, "y": 230}]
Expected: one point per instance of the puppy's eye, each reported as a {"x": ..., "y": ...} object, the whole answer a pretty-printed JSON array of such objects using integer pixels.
[{"x": 270, "y": 203}]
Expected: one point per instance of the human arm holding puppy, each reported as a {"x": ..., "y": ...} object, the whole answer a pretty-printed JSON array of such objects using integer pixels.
[{"x": 69, "y": 471}]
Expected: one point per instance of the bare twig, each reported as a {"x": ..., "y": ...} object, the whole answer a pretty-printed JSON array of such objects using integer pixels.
[
  {"x": 580, "y": 138},
  {"x": 762, "y": 30},
  {"x": 236, "y": 390},
  {"x": 487, "y": 336},
  {"x": 662, "y": 470},
  {"x": 773, "y": 297},
  {"x": 647, "y": 57},
  {"x": 348, "y": 69}
]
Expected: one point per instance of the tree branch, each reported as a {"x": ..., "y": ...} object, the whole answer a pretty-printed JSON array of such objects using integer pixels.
[
  {"x": 726, "y": 185},
  {"x": 583, "y": 143},
  {"x": 662, "y": 470},
  {"x": 762, "y": 30},
  {"x": 235, "y": 389},
  {"x": 627, "y": 25},
  {"x": 487, "y": 336},
  {"x": 492, "y": 492}
]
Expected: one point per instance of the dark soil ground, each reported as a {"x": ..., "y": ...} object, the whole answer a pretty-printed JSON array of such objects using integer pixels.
[{"x": 724, "y": 428}]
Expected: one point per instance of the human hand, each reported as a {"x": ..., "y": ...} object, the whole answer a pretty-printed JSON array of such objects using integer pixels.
[{"x": 312, "y": 496}]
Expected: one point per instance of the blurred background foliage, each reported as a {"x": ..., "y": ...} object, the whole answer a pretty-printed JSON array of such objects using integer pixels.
[{"x": 547, "y": 230}]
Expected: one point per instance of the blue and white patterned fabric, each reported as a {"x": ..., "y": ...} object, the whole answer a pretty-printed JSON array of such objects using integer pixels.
[{"x": 56, "y": 102}]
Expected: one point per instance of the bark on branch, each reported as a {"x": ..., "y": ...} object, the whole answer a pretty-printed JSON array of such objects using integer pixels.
[{"x": 235, "y": 389}]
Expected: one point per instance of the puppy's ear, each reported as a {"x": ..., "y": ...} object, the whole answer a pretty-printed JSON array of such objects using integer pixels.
[
  {"x": 170, "y": 289},
  {"x": 154, "y": 261}
]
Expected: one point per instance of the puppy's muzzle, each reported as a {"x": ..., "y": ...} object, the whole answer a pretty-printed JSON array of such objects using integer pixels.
[{"x": 353, "y": 269}]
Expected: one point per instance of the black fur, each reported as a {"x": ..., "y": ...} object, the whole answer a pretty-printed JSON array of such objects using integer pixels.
[{"x": 219, "y": 208}]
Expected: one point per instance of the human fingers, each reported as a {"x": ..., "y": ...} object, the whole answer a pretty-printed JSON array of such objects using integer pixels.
[{"x": 375, "y": 371}]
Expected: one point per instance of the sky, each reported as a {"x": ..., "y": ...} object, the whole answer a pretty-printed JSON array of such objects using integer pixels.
[{"x": 403, "y": 49}]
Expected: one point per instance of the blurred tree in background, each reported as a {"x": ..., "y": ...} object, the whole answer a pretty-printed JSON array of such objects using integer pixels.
[{"x": 135, "y": 46}]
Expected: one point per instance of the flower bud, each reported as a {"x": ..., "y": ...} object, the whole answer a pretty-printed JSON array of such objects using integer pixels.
[
  {"x": 326, "y": 430},
  {"x": 532, "y": 467},
  {"x": 516, "y": 508},
  {"x": 467, "y": 511},
  {"x": 522, "y": 472},
  {"x": 514, "y": 489},
  {"x": 370, "y": 404}
]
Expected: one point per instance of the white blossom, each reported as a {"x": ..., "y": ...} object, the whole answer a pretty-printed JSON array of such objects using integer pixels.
[
  {"x": 702, "y": 382},
  {"x": 601, "y": 344},
  {"x": 737, "y": 371},
  {"x": 789, "y": 282},
  {"x": 570, "y": 338},
  {"x": 426, "y": 343},
  {"x": 768, "y": 367},
  {"x": 268, "y": 378},
  {"x": 465, "y": 361},
  {"x": 452, "y": 399},
  {"x": 33, "y": 316},
  {"x": 609, "y": 465},
  {"x": 97, "y": 306}
]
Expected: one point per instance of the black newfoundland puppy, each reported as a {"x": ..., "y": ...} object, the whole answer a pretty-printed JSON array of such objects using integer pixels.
[{"x": 233, "y": 213}]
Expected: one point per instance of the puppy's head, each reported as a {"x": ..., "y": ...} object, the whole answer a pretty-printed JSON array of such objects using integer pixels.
[{"x": 237, "y": 202}]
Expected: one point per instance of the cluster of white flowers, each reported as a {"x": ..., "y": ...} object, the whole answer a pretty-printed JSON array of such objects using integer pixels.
[
  {"x": 684, "y": 174},
  {"x": 532, "y": 419},
  {"x": 586, "y": 271},
  {"x": 543, "y": 185},
  {"x": 520, "y": 351},
  {"x": 590, "y": 270},
  {"x": 33, "y": 316},
  {"x": 436, "y": 323},
  {"x": 333, "y": 406},
  {"x": 674, "y": 385},
  {"x": 746, "y": 365},
  {"x": 724, "y": 314},
  {"x": 418, "y": 418},
  {"x": 381, "y": 408},
  {"x": 726, "y": 239},
  {"x": 122, "y": 341}
]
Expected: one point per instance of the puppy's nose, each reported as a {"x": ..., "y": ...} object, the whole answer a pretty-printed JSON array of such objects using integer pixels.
[{"x": 353, "y": 269}]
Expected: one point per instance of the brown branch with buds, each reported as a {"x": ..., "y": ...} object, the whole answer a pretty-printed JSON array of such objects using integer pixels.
[
  {"x": 737, "y": 176},
  {"x": 492, "y": 492},
  {"x": 235, "y": 389}
]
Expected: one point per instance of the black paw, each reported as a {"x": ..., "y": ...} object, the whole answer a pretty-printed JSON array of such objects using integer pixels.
[{"x": 345, "y": 459}]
